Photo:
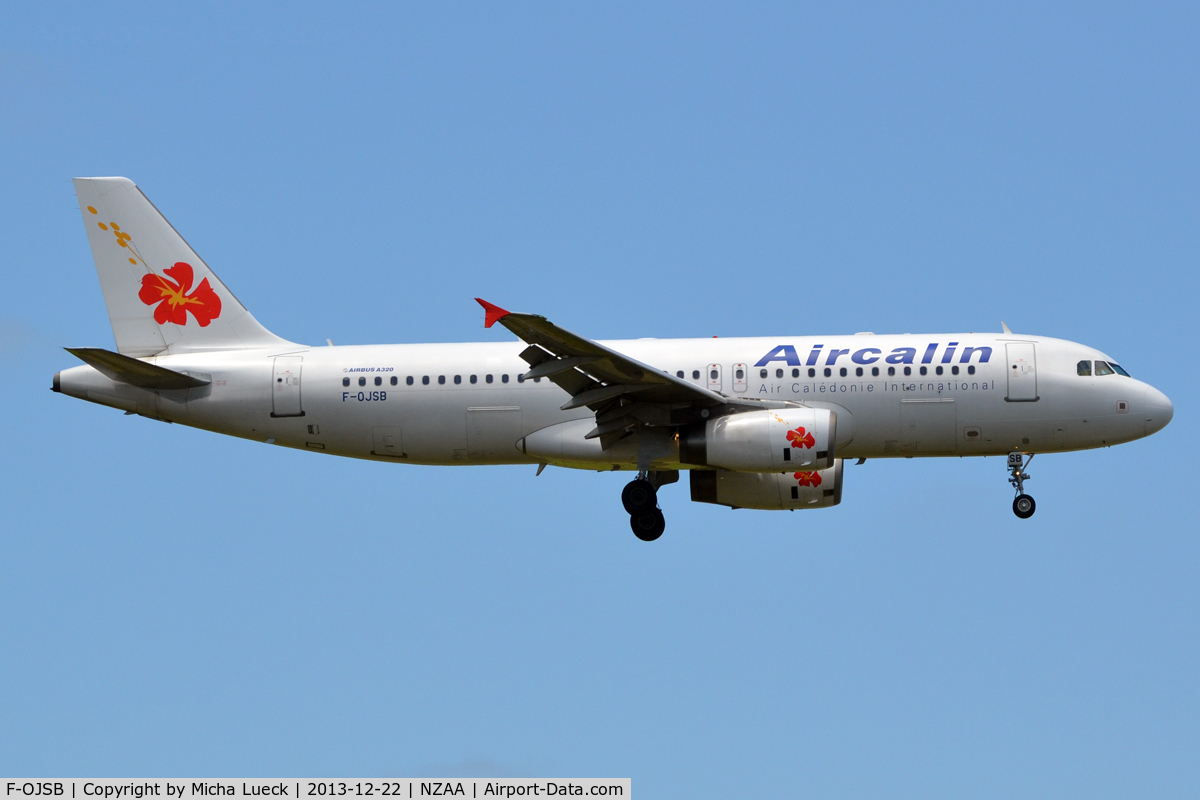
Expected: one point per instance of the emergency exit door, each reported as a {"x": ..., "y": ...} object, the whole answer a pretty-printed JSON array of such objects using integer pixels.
[
  {"x": 741, "y": 374},
  {"x": 714, "y": 377},
  {"x": 285, "y": 387},
  {"x": 1022, "y": 372}
]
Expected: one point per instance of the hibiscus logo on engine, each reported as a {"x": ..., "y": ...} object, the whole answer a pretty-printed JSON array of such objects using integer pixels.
[
  {"x": 801, "y": 438},
  {"x": 808, "y": 478}
]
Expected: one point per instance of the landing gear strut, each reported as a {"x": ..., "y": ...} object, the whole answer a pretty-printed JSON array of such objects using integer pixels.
[
  {"x": 1023, "y": 505},
  {"x": 640, "y": 498}
]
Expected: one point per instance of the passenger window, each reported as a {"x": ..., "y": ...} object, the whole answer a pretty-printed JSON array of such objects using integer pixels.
[
  {"x": 714, "y": 375},
  {"x": 875, "y": 372},
  {"x": 441, "y": 379},
  {"x": 908, "y": 370},
  {"x": 458, "y": 378},
  {"x": 828, "y": 372},
  {"x": 695, "y": 374},
  {"x": 409, "y": 380},
  {"x": 394, "y": 380},
  {"x": 954, "y": 370},
  {"x": 858, "y": 371},
  {"x": 779, "y": 373},
  {"x": 504, "y": 379},
  {"x": 891, "y": 371},
  {"x": 796, "y": 373},
  {"x": 679, "y": 374},
  {"x": 345, "y": 381},
  {"x": 474, "y": 379},
  {"x": 424, "y": 380},
  {"x": 842, "y": 372},
  {"x": 971, "y": 370},
  {"x": 1084, "y": 369},
  {"x": 362, "y": 381},
  {"x": 1104, "y": 369},
  {"x": 487, "y": 378},
  {"x": 378, "y": 381},
  {"x": 938, "y": 370},
  {"x": 924, "y": 370},
  {"x": 1119, "y": 370},
  {"x": 520, "y": 379},
  {"x": 812, "y": 373}
]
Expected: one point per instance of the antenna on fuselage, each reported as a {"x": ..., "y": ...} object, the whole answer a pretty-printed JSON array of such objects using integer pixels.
[{"x": 1004, "y": 326}]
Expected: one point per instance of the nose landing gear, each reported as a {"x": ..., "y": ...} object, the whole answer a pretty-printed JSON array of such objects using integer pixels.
[
  {"x": 640, "y": 498},
  {"x": 1023, "y": 505}
]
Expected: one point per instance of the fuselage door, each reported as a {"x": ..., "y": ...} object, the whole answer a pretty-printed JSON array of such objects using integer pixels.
[
  {"x": 388, "y": 442},
  {"x": 493, "y": 432},
  {"x": 739, "y": 378},
  {"x": 1022, "y": 372},
  {"x": 714, "y": 377},
  {"x": 285, "y": 387},
  {"x": 928, "y": 426}
]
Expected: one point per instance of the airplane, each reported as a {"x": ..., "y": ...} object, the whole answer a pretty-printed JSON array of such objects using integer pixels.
[{"x": 758, "y": 423}]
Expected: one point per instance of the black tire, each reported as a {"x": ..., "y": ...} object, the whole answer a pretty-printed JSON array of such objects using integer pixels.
[
  {"x": 1024, "y": 506},
  {"x": 638, "y": 497},
  {"x": 648, "y": 526}
]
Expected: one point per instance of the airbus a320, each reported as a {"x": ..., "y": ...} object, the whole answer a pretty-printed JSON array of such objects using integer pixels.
[{"x": 758, "y": 423}]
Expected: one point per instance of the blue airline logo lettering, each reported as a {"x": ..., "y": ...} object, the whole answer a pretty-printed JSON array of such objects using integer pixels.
[{"x": 869, "y": 355}]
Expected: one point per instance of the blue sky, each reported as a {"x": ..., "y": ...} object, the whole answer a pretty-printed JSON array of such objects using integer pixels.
[{"x": 174, "y": 603}]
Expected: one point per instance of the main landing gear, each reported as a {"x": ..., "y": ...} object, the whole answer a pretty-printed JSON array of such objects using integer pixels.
[
  {"x": 1023, "y": 505},
  {"x": 640, "y": 498}
]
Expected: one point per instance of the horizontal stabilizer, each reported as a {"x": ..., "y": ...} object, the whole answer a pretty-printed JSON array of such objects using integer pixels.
[{"x": 134, "y": 372}]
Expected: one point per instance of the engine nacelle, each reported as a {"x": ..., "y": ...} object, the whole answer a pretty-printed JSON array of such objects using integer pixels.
[
  {"x": 799, "y": 439},
  {"x": 771, "y": 491}
]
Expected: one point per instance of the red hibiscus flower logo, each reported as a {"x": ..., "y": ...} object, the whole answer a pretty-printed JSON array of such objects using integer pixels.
[
  {"x": 808, "y": 478},
  {"x": 801, "y": 438},
  {"x": 173, "y": 299}
]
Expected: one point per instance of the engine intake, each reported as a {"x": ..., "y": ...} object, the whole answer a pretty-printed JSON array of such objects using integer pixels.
[
  {"x": 800, "y": 439},
  {"x": 771, "y": 491}
]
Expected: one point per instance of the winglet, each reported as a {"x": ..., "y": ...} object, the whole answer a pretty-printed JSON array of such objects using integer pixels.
[
  {"x": 493, "y": 313},
  {"x": 1005, "y": 327}
]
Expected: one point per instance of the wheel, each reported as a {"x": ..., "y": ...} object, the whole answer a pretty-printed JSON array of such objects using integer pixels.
[
  {"x": 648, "y": 526},
  {"x": 1024, "y": 506},
  {"x": 638, "y": 497}
]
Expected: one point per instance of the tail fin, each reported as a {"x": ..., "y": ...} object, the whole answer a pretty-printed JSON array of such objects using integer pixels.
[{"x": 161, "y": 297}]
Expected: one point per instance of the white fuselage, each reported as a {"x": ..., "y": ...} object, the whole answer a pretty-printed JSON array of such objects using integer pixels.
[{"x": 466, "y": 405}]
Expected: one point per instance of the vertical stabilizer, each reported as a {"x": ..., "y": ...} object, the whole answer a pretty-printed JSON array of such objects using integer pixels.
[{"x": 161, "y": 297}]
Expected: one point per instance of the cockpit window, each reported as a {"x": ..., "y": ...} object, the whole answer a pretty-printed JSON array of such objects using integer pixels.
[
  {"x": 1120, "y": 370},
  {"x": 1084, "y": 368},
  {"x": 1103, "y": 368}
]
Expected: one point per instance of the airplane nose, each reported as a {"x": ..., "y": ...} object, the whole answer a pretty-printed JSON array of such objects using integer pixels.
[{"x": 1159, "y": 410}]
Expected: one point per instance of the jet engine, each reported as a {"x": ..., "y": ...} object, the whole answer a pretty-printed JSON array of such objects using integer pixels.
[
  {"x": 771, "y": 491},
  {"x": 797, "y": 439}
]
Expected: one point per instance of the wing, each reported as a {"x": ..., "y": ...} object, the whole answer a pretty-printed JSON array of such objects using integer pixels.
[{"x": 624, "y": 392}]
